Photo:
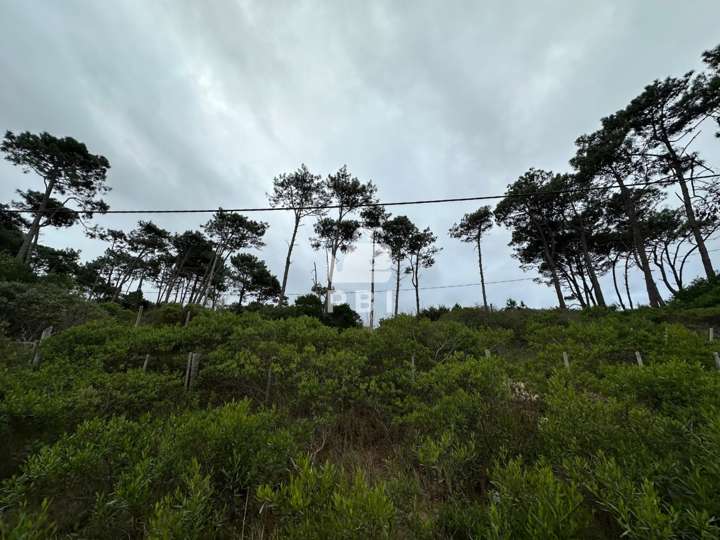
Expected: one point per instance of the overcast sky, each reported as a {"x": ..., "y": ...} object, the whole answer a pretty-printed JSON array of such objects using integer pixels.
[{"x": 201, "y": 104}]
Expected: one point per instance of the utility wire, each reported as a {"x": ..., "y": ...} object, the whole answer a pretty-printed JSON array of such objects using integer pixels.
[
  {"x": 664, "y": 181},
  {"x": 428, "y": 288},
  {"x": 453, "y": 286}
]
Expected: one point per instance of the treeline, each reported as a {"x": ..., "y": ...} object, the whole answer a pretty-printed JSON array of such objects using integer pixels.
[{"x": 607, "y": 215}]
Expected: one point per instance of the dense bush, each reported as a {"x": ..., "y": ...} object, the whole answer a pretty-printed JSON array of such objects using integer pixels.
[
  {"x": 702, "y": 293},
  {"x": 468, "y": 426},
  {"x": 116, "y": 477},
  {"x": 29, "y": 308}
]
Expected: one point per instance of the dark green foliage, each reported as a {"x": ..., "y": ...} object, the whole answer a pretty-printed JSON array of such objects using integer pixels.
[
  {"x": 319, "y": 502},
  {"x": 252, "y": 278},
  {"x": 116, "y": 477},
  {"x": 68, "y": 169},
  {"x": 702, "y": 293},
  {"x": 405, "y": 431},
  {"x": 29, "y": 308}
]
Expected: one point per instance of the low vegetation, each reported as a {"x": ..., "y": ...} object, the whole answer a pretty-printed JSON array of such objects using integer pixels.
[{"x": 465, "y": 426}]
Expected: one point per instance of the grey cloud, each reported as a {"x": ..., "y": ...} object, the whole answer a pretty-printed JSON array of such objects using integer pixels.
[{"x": 201, "y": 104}]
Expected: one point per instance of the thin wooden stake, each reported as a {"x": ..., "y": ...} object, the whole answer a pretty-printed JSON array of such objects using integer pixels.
[
  {"x": 247, "y": 498},
  {"x": 194, "y": 368},
  {"x": 146, "y": 362},
  {"x": 36, "y": 351},
  {"x": 717, "y": 360},
  {"x": 639, "y": 359},
  {"x": 711, "y": 334},
  {"x": 269, "y": 379},
  {"x": 190, "y": 359},
  {"x": 188, "y": 370},
  {"x": 487, "y": 353},
  {"x": 566, "y": 360},
  {"x": 139, "y": 315}
]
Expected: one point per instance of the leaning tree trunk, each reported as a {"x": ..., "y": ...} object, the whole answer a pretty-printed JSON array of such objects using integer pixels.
[
  {"x": 599, "y": 297},
  {"x": 482, "y": 274},
  {"x": 26, "y": 247},
  {"x": 660, "y": 264},
  {"x": 179, "y": 265},
  {"x": 416, "y": 285},
  {"x": 372, "y": 283},
  {"x": 549, "y": 260},
  {"x": 627, "y": 284},
  {"x": 397, "y": 286},
  {"x": 331, "y": 271},
  {"x": 205, "y": 290},
  {"x": 286, "y": 272},
  {"x": 615, "y": 283},
  {"x": 639, "y": 242},
  {"x": 556, "y": 282},
  {"x": 573, "y": 285},
  {"x": 689, "y": 210}
]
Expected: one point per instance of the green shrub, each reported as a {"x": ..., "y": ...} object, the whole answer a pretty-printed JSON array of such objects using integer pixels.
[
  {"x": 320, "y": 502},
  {"x": 29, "y": 308},
  {"x": 114, "y": 477},
  {"x": 532, "y": 502},
  {"x": 701, "y": 293}
]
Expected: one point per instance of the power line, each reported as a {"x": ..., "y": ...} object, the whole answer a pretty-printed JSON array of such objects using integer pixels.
[
  {"x": 664, "y": 181},
  {"x": 454, "y": 286}
]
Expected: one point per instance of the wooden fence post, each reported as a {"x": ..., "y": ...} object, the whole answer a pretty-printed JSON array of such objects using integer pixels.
[
  {"x": 139, "y": 315},
  {"x": 711, "y": 334},
  {"x": 566, "y": 360},
  {"x": 36, "y": 350},
  {"x": 717, "y": 360},
  {"x": 639, "y": 359},
  {"x": 269, "y": 380},
  {"x": 194, "y": 368},
  {"x": 188, "y": 365},
  {"x": 487, "y": 353},
  {"x": 191, "y": 370}
]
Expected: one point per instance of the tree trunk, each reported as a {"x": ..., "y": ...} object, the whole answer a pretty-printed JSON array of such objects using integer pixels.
[
  {"x": 627, "y": 285},
  {"x": 551, "y": 264},
  {"x": 615, "y": 283},
  {"x": 482, "y": 274},
  {"x": 591, "y": 270},
  {"x": 689, "y": 210},
  {"x": 589, "y": 294},
  {"x": 372, "y": 282},
  {"x": 639, "y": 242},
  {"x": 241, "y": 295},
  {"x": 397, "y": 286},
  {"x": 286, "y": 272},
  {"x": 210, "y": 276},
  {"x": 556, "y": 284},
  {"x": 416, "y": 284},
  {"x": 176, "y": 275},
  {"x": 25, "y": 249},
  {"x": 661, "y": 266},
  {"x": 573, "y": 285},
  {"x": 331, "y": 271},
  {"x": 191, "y": 298},
  {"x": 672, "y": 261}
]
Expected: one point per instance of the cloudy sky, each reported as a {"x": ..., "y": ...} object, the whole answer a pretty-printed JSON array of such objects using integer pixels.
[{"x": 201, "y": 104}]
